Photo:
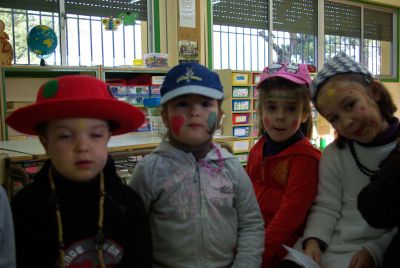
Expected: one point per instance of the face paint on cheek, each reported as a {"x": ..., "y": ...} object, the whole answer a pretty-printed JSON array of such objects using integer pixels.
[
  {"x": 212, "y": 119},
  {"x": 176, "y": 124},
  {"x": 295, "y": 124},
  {"x": 267, "y": 122}
]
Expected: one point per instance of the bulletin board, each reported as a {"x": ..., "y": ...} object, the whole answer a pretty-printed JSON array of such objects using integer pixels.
[{"x": 189, "y": 29}]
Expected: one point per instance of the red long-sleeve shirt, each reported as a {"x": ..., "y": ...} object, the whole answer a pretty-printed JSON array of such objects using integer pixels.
[{"x": 285, "y": 185}]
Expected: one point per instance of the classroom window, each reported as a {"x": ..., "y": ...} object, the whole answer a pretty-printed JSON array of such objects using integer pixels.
[
  {"x": 87, "y": 41},
  {"x": 364, "y": 32}
]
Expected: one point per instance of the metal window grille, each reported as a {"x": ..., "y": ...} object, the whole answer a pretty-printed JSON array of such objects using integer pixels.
[
  {"x": 88, "y": 43},
  {"x": 18, "y": 23},
  {"x": 362, "y": 31},
  {"x": 240, "y": 33}
]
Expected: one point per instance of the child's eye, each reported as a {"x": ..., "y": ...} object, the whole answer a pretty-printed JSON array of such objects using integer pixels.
[
  {"x": 64, "y": 136},
  {"x": 333, "y": 119},
  {"x": 206, "y": 103},
  {"x": 349, "y": 105},
  {"x": 97, "y": 135},
  {"x": 292, "y": 108},
  {"x": 181, "y": 104},
  {"x": 270, "y": 108}
]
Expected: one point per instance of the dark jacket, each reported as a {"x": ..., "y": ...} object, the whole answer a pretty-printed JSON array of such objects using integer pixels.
[
  {"x": 379, "y": 203},
  {"x": 128, "y": 240}
]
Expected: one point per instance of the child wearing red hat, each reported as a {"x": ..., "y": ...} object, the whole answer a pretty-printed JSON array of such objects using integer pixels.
[
  {"x": 203, "y": 212},
  {"x": 283, "y": 165},
  {"x": 77, "y": 212}
]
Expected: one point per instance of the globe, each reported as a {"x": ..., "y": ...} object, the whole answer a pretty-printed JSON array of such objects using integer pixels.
[{"x": 42, "y": 40}]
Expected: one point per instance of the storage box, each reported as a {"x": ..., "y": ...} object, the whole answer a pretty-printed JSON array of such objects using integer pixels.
[
  {"x": 240, "y": 119},
  {"x": 240, "y": 92},
  {"x": 240, "y": 79},
  {"x": 240, "y": 105},
  {"x": 156, "y": 60},
  {"x": 243, "y": 131},
  {"x": 157, "y": 125}
]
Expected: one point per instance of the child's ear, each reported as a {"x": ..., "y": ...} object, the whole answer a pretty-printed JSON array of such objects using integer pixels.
[{"x": 375, "y": 91}]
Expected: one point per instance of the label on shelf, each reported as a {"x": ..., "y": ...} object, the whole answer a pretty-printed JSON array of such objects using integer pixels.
[
  {"x": 240, "y": 92},
  {"x": 240, "y": 105},
  {"x": 240, "y": 79},
  {"x": 240, "y": 118},
  {"x": 241, "y": 145},
  {"x": 242, "y": 131}
]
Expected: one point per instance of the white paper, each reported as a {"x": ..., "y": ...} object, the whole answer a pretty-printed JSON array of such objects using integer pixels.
[
  {"x": 187, "y": 13},
  {"x": 303, "y": 259}
]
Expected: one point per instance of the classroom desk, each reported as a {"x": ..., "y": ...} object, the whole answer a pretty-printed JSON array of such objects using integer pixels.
[
  {"x": 26, "y": 152},
  {"x": 119, "y": 143}
]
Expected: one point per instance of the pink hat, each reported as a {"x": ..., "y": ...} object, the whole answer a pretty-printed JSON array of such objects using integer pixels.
[
  {"x": 297, "y": 73},
  {"x": 76, "y": 96}
]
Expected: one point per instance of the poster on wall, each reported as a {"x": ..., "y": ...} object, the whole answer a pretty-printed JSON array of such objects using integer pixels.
[
  {"x": 187, "y": 13},
  {"x": 188, "y": 51}
]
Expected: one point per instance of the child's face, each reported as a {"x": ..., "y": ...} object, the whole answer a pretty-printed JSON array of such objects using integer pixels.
[
  {"x": 351, "y": 110},
  {"x": 192, "y": 119},
  {"x": 282, "y": 114},
  {"x": 77, "y": 147}
]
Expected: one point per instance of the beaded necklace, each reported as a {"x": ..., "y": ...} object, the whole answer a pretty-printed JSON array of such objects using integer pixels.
[
  {"x": 220, "y": 161},
  {"x": 99, "y": 239},
  {"x": 361, "y": 167}
]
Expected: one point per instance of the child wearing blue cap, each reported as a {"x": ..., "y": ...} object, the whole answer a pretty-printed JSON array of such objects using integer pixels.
[
  {"x": 203, "y": 211},
  {"x": 361, "y": 111}
]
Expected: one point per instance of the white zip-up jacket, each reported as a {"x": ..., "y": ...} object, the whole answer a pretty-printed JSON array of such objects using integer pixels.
[{"x": 199, "y": 217}]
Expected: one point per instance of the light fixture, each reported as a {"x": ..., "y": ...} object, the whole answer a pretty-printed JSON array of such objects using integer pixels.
[
  {"x": 133, "y": 1},
  {"x": 215, "y": 2}
]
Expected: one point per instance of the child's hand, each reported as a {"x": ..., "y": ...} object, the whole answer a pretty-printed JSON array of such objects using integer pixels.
[
  {"x": 362, "y": 259},
  {"x": 313, "y": 250}
]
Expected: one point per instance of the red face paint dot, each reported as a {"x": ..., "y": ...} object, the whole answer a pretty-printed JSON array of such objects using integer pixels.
[
  {"x": 176, "y": 124},
  {"x": 267, "y": 122},
  {"x": 295, "y": 124}
]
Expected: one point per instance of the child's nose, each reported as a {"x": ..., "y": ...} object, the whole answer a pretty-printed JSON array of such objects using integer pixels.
[
  {"x": 82, "y": 146},
  {"x": 194, "y": 111}
]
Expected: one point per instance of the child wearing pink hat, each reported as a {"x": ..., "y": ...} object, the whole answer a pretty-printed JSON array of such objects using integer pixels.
[
  {"x": 77, "y": 212},
  {"x": 283, "y": 165}
]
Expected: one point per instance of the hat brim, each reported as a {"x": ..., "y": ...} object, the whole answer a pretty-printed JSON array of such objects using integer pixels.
[
  {"x": 193, "y": 89},
  {"x": 125, "y": 116},
  {"x": 287, "y": 77}
]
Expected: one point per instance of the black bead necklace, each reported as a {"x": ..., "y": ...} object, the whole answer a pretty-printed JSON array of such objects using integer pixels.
[{"x": 361, "y": 167}]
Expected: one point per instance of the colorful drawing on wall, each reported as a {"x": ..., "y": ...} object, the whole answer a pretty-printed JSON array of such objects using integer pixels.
[
  {"x": 128, "y": 18},
  {"x": 6, "y": 51},
  {"x": 188, "y": 51},
  {"x": 42, "y": 40},
  {"x": 111, "y": 23}
]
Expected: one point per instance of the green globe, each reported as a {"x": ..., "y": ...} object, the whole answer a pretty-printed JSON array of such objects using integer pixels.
[{"x": 42, "y": 40}]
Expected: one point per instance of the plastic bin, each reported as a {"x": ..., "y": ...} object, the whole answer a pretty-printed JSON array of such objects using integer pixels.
[{"x": 157, "y": 125}]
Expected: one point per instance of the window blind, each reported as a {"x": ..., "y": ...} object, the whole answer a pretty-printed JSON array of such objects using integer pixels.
[
  {"x": 241, "y": 13},
  {"x": 105, "y": 8},
  {"x": 101, "y": 8},
  {"x": 296, "y": 16},
  {"x": 35, "y": 5},
  {"x": 342, "y": 20},
  {"x": 378, "y": 25}
]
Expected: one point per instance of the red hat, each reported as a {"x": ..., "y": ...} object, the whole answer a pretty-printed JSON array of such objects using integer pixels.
[{"x": 76, "y": 96}]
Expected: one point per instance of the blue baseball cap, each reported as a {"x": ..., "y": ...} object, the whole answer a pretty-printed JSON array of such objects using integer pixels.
[{"x": 191, "y": 78}]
